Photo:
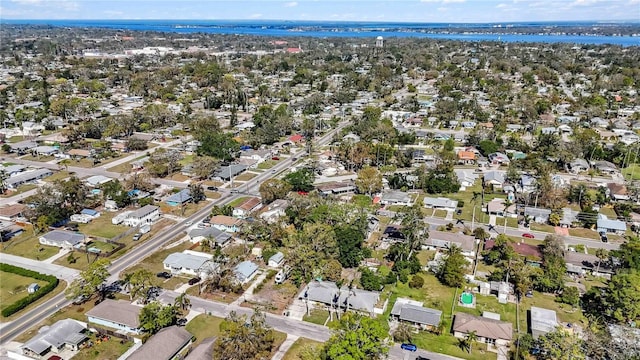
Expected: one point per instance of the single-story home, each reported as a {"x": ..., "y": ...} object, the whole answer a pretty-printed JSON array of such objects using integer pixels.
[
  {"x": 274, "y": 210},
  {"x": 466, "y": 157},
  {"x": 578, "y": 166},
  {"x": 165, "y": 345},
  {"x": 62, "y": 239},
  {"x": 145, "y": 215},
  {"x": 45, "y": 150},
  {"x": 225, "y": 223},
  {"x": 569, "y": 217},
  {"x": 226, "y": 172},
  {"x": 440, "y": 203},
  {"x": 245, "y": 271},
  {"x": 581, "y": 264},
  {"x": 63, "y": 334},
  {"x": 605, "y": 167},
  {"x": 97, "y": 180},
  {"x": 248, "y": 206},
  {"x": 538, "y": 215},
  {"x": 220, "y": 237},
  {"x": 495, "y": 179},
  {"x": 22, "y": 146},
  {"x": 421, "y": 317},
  {"x": 607, "y": 225},
  {"x": 276, "y": 260},
  {"x": 499, "y": 158},
  {"x": 204, "y": 351},
  {"x": 490, "y": 331},
  {"x": 116, "y": 314},
  {"x": 328, "y": 294},
  {"x": 618, "y": 192},
  {"x": 542, "y": 321},
  {"x": 396, "y": 198},
  {"x": 444, "y": 240},
  {"x": 189, "y": 263},
  {"x": 11, "y": 212},
  {"x": 181, "y": 197},
  {"x": 336, "y": 188},
  {"x": 497, "y": 207},
  {"x": 13, "y": 182}
]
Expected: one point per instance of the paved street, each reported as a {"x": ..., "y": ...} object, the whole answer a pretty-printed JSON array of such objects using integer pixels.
[{"x": 61, "y": 272}]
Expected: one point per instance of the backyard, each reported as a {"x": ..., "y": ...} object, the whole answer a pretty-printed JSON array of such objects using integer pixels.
[
  {"x": 102, "y": 227},
  {"x": 27, "y": 245},
  {"x": 448, "y": 344},
  {"x": 101, "y": 349}
]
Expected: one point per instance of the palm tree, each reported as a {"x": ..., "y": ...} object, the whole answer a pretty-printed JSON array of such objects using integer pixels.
[
  {"x": 464, "y": 344},
  {"x": 440, "y": 328},
  {"x": 507, "y": 204},
  {"x": 602, "y": 254},
  {"x": 471, "y": 337},
  {"x": 182, "y": 302},
  {"x": 205, "y": 244},
  {"x": 126, "y": 281}
]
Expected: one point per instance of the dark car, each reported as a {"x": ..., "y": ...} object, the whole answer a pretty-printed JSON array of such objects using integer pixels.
[
  {"x": 181, "y": 322},
  {"x": 164, "y": 275},
  {"x": 409, "y": 347},
  {"x": 604, "y": 239},
  {"x": 212, "y": 188},
  {"x": 422, "y": 358},
  {"x": 275, "y": 158},
  {"x": 194, "y": 281}
]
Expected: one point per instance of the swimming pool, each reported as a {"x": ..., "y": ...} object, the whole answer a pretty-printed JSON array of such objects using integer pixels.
[{"x": 466, "y": 298}]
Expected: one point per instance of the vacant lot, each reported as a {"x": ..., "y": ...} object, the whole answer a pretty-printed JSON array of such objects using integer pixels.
[
  {"x": 58, "y": 175},
  {"x": 204, "y": 326},
  {"x": 27, "y": 245},
  {"x": 245, "y": 177},
  {"x": 110, "y": 349},
  {"x": 275, "y": 297},
  {"x": 13, "y": 287},
  {"x": 102, "y": 227}
]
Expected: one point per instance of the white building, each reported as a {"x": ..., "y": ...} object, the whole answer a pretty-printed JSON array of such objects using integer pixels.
[{"x": 145, "y": 215}]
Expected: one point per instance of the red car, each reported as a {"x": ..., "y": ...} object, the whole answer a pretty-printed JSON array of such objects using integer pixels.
[
  {"x": 528, "y": 236},
  {"x": 275, "y": 158}
]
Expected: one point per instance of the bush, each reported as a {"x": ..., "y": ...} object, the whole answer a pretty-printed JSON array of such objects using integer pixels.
[
  {"x": 416, "y": 282},
  {"x": 24, "y": 302},
  {"x": 460, "y": 203}
]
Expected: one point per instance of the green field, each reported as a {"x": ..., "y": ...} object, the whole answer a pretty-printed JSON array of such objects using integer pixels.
[
  {"x": 13, "y": 287},
  {"x": 27, "y": 245},
  {"x": 204, "y": 326},
  {"x": 632, "y": 172},
  {"x": 102, "y": 227}
]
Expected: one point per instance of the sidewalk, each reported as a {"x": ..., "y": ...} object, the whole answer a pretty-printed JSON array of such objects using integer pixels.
[
  {"x": 248, "y": 294},
  {"x": 61, "y": 272},
  {"x": 286, "y": 345}
]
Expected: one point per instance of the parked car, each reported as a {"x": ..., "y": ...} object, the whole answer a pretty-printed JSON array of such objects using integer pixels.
[
  {"x": 234, "y": 191},
  {"x": 409, "y": 347},
  {"x": 80, "y": 299},
  {"x": 275, "y": 158},
  {"x": 181, "y": 322},
  {"x": 604, "y": 239},
  {"x": 529, "y": 294},
  {"x": 137, "y": 236},
  {"x": 164, "y": 275},
  {"x": 422, "y": 358},
  {"x": 528, "y": 236},
  {"x": 194, "y": 280},
  {"x": 212, "y": 188}
]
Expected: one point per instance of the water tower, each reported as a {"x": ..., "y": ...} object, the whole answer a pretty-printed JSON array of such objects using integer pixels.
[{"x": 379, "y": 42}]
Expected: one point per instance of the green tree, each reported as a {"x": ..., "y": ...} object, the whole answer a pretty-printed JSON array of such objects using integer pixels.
[
  {"x": 417, "y": 282},
  {"x": 570, "y": 295},
  {"x": 452, "y": 269},
  {"x": 197, "y": 192},
  {"x": 155, "y": 317},
  {"x": 218, "y": 145},
  {"x": 622, "y": 299},
  {"x": 300, "y": 180},
  {"x": 244, "y": 339},
  {"x": 403, "y": 333},
  {"x": 182, "y": 302},
  {"x": 90, "y": 280},
  {"x": 553, "y": 265},
  {"x": 273, "y": 189},
  {"x": 358, "y": 337},
  {"x": 369, "y": 181},
  {"x": 139, "y": 283},
  {"x": 203, "y": 166},
  {"x": 559, "y": 345},
  {"x": 349, "y": 246}
]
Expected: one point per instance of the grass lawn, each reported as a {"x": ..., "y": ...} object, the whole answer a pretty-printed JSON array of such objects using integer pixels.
[
  {"x": 179, "y": 177},
  {"x": 268, "y": 164},
  {"x": 186, "y": 160},
  {"x": 38, "y": 158},
  {"x": 432, "y": 294},
  {"x": 102, "y": 227},
  {"x": 189, "y": 209},
  {"x": 585, "y": 233},
  {"x": 27, "y": 245},
  {"x": 238, "y": 201},
  {"x": 425, "y": 256},
  {"x": 564, "y": 312},
  {"x": 317, "y": 316},
  {"x": 212, "y": 194},
  {"x": 204, "y": 326},
  {"x": 297, "y": 347},
  {"x": 490, "y": 303},
  {"x": 13, "y": 287},
  {"x": 447, "y": 344},
  {"x": 439, "y": 213},
  {"x": 542, "y": 227},
  {"x": 244, "y": 177},
  {"x": 60, "y": 288},
  {"x": 634, "y": 170},
  {"x": 103, "y": 246},
  {"x": 21, "y": 189},
  {"x": 89, "y": 163},
  {"x": 58, "y": 175},
  {"x": 611, "y": 214},
  {"x": 110, "y": 349},
  {"x": 15, "y": 139}
]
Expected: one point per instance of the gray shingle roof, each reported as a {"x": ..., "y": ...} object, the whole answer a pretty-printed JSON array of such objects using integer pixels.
[
  {"x": 542, "y": 320},
  {"x": 143, "y": 211},
  {"x": 117, "y": 311},
  {"x": 420, "y": 315},
  {"x": 204, "y": 351},
  {"x": 64, "y": 237},
  {"x": 67, "y": 331},
  {"x": 218, "y": 235},
  {"x": 188, "y": 261},
  {"x": 164, "y": 345}
]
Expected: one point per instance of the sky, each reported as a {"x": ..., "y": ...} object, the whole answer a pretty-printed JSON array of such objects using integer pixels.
[{"x": 449, "y": 11}]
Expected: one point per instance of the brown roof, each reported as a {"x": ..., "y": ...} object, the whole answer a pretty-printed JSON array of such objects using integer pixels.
[
  {"x": 79, "y": 152},
  {"x": 249, "y": 204},
  {"x": 117, "y": 311},
  {"x": 12, "y": 210},
  {"x": 204, "y": 351},
  {"x": 224, "y": 220},
  {"x": 520, "y": 248},
  {"x": 466, "y": 155},
  {"x": 439, "y": 238},
  {"x": 484, "y": 327},
  {"x": 617, "y": 189},
  {"x": 164, "y": 345}
]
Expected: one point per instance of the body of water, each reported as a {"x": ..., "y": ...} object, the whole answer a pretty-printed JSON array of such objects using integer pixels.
[{"x": 359, "y": 29}]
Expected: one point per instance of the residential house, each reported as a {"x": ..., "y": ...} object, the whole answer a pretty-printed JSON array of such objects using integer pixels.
[
  {"x": 542, "y": 321},
  {"x": 13, "y": 182},
  {"x": 204, "y": 351},
  {"x": 62, "y": 335},
  {"x": 21, "y": 147},
  {"x": 116, "y": 314},
  {"x": 490, "y": 331},
  {"x": 79, "y": 153},
  {"x": 531, "y": 253},
  {"x": 499, "y": 158},
  {"x": 414, "y": 313},
  {"x": 62, "y": 239},
  {"x": 248, "y": 206},
  {"x": 274, "y": 210},
  {"x": 581, "y": 264},
  {"x": 396, "y": 197},
  {"x": 328, "y": 294},
  {"x": 45, "y": 150},
  {"x": 497, "y": 207},
  {"x": 167, "y": 344},
  {"x": 276, "y": 260},
  {"x": 538, "y": 215},
  {"x": 514, "y": 128},
  {"x": 11, "y": 170},
  {"x": 444, "y": 240},
  {"x": 245, "y": 271},
  {"x": 225, "y": 223},
  {"x": 258, "y": 155},
  {"x": 145, "y": 215},
  {"x": 605, "y": 167},
  {"x": 97, "y": 181},
  {"x": 12, "y": 212},
  {"x": 336, "y": 188},
  {"x": 189, "y": 263},
  {"x": 578, "y": 166},
  {"x": 440, "y": 203},
  {"x": 618, "y": 192},
  {"x": 527, "y": 183},
  {"x": 180, "y": 198},
  {"x": 495, "y": 179},
  {"x": 607, "y": 225},
  {"x": 548, "y": 130},
  {"x": 569, "y": 217},
  {"x": 466, "y": 178},
  {"x": 220, "y": 237},
  {"x": 227, "y": 172},
  {"x": 466, "y": 157}
]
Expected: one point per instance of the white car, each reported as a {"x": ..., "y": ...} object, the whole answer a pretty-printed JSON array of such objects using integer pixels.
[{"x": 188, "y": 223}]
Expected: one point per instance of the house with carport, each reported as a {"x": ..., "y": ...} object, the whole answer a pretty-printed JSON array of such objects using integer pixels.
[
  {"x": 413, "y": 313},
  {"x": 66, "y": 334}
]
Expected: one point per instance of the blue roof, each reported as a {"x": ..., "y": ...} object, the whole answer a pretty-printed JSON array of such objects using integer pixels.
[
  {"x": 245, "y": 269},
  {"x": 89, "y": 212},
  {"x": 245, "y": 147}
]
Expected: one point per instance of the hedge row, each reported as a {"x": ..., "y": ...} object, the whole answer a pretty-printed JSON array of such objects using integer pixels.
[{"x": 25, "y": 301}]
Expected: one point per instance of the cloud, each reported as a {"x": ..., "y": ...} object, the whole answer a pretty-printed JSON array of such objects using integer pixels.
[
  {"x": 113, "y": 12},
  {"x": 452, "y": 1},
  {"x": 291, "y": 4},
  {"x": 255, "y": 16},
  {"x": 27, "y": 2},
  {"x": 501, "y": 6}
]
